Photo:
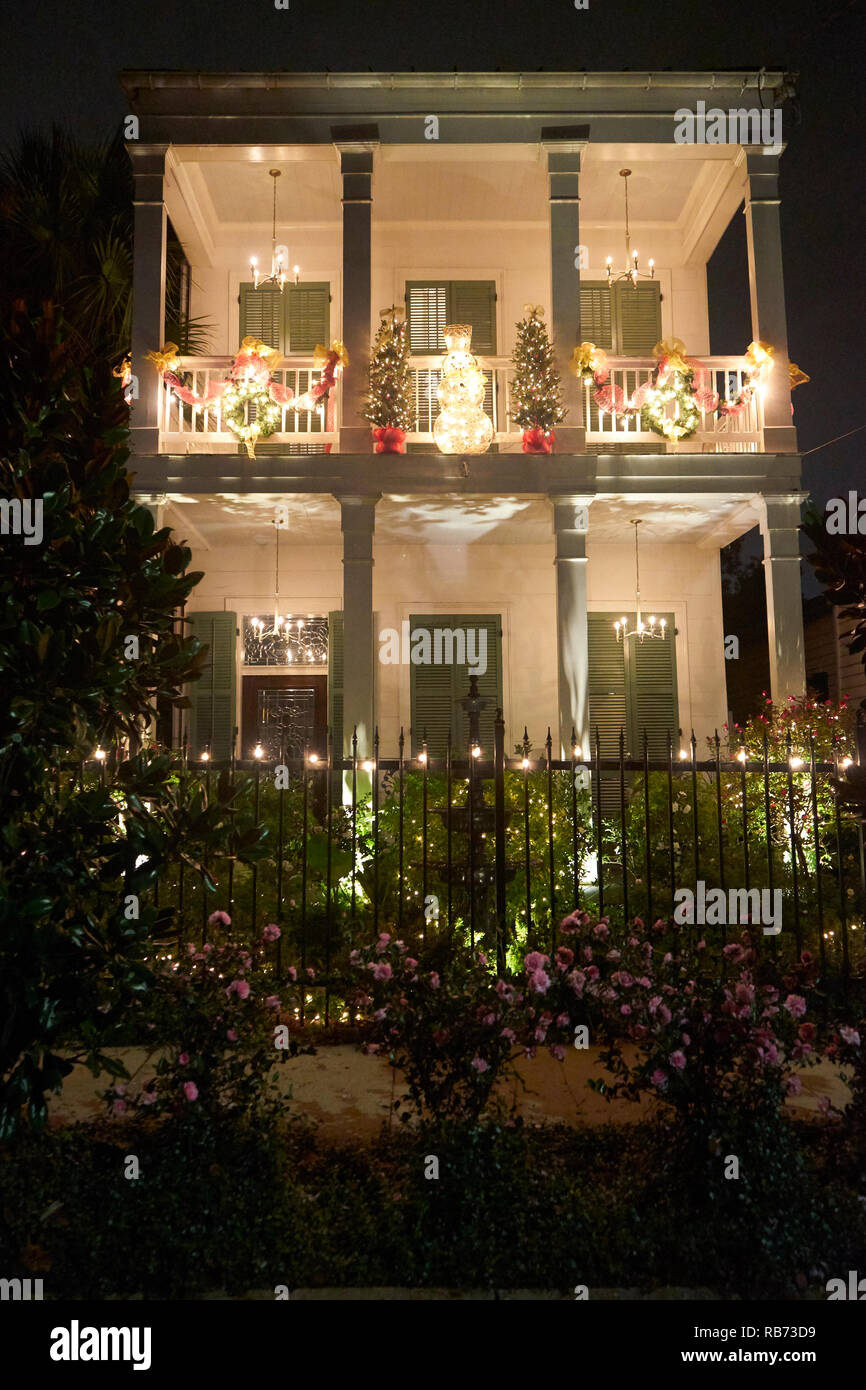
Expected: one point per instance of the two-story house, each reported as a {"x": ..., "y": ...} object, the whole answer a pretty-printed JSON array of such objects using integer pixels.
[{"x": 463, "y": 197}]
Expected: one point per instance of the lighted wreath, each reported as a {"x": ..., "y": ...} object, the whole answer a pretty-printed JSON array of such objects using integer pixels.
[{"x": 250, "y": 386}]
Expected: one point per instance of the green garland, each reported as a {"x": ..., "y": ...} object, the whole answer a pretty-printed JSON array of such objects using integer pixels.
[
  {"x": 237, "y": 397},
  {"x": 678, "y": 389}
]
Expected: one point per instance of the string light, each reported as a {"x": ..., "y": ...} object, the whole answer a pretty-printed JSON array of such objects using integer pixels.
[{"x": 461, "y": 427}]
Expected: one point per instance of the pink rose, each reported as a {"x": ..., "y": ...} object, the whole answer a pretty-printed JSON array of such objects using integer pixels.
[
  {"x": 118, "y": 1107},
  {"x": 271, "y": 932},
  {"x": 659, "y": 1079},
  {"x": 848, "y": 1035},
  {"x": 796, "y": 1005},
  {"x": 434, "y": 980},
  {"x": 231, "y": 1035},
  {"x": 539, "y": 982},
  {"x": 272, "y": 1002},
  {"x": 534, "y": 961},
  {"x": 219, "y": 917},
  {"x": 479, "y": 1064},
  {"x": 678, "y": 1060},
  {"x": 488, "y": 1020},
  {"x": 508, "y": 1034},
  {"x": 382, "y": 971},
  {"x": 557, "y": 1051},
  {"x": 292, "y": 973},
  {"x": 183, "y": 1059},
  {"x": 190, "y": 1090}
]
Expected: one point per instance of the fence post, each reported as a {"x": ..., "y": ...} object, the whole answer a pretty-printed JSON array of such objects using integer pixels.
[{"x": 499, "y": 813}]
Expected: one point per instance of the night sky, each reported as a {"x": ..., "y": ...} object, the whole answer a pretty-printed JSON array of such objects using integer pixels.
[{"x": 60, "y": 59}]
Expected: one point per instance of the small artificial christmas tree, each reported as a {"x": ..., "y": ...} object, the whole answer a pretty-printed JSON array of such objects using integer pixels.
[
  {"x": 536, "y": 401},
  {"x": 391, "y": 402}
]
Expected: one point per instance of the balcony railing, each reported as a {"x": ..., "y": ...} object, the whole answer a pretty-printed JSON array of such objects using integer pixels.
[
  {"x": 735, "y": 434},
  {"x": 187, "y": 429},
  {"x": 201, "y": 429}
]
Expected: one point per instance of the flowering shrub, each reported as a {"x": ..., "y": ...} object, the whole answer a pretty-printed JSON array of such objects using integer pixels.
[
  {"x": 214, "y": 1015},
  {"x": 711, "y": 1042},
  {"x": 847, "y": 1048}
]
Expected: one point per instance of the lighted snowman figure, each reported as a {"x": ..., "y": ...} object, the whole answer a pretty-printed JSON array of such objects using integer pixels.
[{"x": 461, "y": 426}]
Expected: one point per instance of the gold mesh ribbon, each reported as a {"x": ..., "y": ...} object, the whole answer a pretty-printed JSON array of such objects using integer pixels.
[
  {"x": 167, "y": 359},
  {"x": 759, "y": 357},
  {"x": 587, "y": 358},
  {"x": 795, "y": 376},
  {"x": 534, "y": 309},
  {"x": 270, "y": 355},
  {"x": 322, "y": 353},
  {"x": 674, "y": 349}
]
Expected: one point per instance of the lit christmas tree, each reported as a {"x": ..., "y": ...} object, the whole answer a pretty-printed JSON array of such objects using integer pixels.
[
  {"x": 536, "y": 400},
  {"x": 391, "y": 402}
]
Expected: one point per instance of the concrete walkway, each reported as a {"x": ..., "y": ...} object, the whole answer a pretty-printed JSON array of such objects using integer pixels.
[{"x": 349, "y": 1094}]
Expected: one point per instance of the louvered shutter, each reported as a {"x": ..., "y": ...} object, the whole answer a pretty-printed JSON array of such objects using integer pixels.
[
  {"x": 638, "y": 318},
  {"x": 652, "y": 693},
  {"x": 336, "y": 677},
  {"x": 308, "y": 309},
  {"x": 426, "y": 315},
  {"x": 437, "y": 689},
  {"x": 213, "y": 696},
  {"x": 608, "y": 711},
  {"x": 261, "y": 315},
  {"x": 607, "y": 684},
  {"x": 596, "y": 318}
]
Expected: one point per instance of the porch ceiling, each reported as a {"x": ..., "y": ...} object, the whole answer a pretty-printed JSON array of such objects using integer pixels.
[
  {"x": 214, "y": 522},
  {"x": 227, "y": 193}
]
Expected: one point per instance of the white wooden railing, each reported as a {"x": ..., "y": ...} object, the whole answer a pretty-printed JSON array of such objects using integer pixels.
[
  {"x": 736, "y": 434},
  {"x": 201, "y": 429}
]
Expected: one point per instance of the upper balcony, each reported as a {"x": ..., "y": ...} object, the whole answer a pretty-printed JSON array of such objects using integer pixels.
[{"x": 497, "y": 205}]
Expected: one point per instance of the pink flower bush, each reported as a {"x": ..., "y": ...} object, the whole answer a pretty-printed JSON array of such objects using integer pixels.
[{"x": 271, "y": 932}]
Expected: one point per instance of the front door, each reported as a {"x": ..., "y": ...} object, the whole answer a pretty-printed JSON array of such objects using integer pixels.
[{"x": 286, "y": 714}]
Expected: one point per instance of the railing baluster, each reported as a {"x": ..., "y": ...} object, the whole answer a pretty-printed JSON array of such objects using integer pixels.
[
  {"x": 599, "y": 832},
  {"x": 448, "y": 822},
  {"x": 721, "y": 828},
  {"x": 424, "y": 766},
  {"x": 376, "y": 829},
  {"x": 401, "y": 814},
  {"x": 816, "y": 835},
  {"x": 550, "y": 851},
  {"x": 647, "y": 832},
  {"x": 792, "y": 837},
  {"x": 574, "y": 854},
  {"x": 305, "y": 813},
  {"x": 527, "y": 843},
  {"x": 672, "y": 852}
]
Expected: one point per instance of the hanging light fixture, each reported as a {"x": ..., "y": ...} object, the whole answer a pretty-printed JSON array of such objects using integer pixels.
[
  {"x": 277, "y": 276},
  {"x": 276, "y": 630},
  {"x": 654, "y": 627},
  {"x": 631, "y": 272}
]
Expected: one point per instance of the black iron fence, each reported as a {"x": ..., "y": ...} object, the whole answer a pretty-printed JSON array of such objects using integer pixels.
[{"x": 499, "y": 847}]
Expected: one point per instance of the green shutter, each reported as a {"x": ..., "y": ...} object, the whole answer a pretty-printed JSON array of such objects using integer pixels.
[
  {"x": 607, "y": 684},
  {"x": 596, "y": 318},
  {"x": 308, "y": 309},
  {"x": 336, "y": 668},
  {"x": 474, "y": 301},
  {"x": 261, "y": 315},
  {"x": 426, "y": 315},
  {"x": 652, "y": 681},
  {"x": 212, "y": 716},
  {"x": 638, "y": 318},
  {"x": 437, "y": 689}
]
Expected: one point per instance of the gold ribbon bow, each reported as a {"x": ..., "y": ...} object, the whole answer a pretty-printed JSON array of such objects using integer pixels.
[
  {"x": 587, "y": 358},
  {"x": 674, "y": 349},
  {"x": 167, "y": 359},
  {"x": 795, "y": 376},
  {"x": 396, "y": 313},
  {"x": 256, "y": 347},
  {"x": 123, "y": 370},
  {"x": 759, "y": 357},
  {"x": 322, "y": 353},
  {"x": 534, "y": 309}
]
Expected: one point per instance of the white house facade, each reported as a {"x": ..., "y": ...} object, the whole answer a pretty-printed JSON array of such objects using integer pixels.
[{"x": 463, "y": 197}]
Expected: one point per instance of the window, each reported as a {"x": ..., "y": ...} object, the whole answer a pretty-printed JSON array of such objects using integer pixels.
[
  {"x": 625, "y": 320},
  {"x": 430, "y": 305},
  {"x": 633, "y": 687},
  {"x": 295, "y": 320},
  {"x": 441, "y": 683}
]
